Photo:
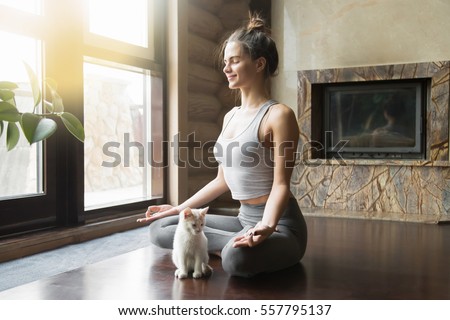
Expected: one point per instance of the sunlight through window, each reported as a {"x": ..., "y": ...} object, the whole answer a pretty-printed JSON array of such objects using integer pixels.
[
  {"x": 31, "y": 6},
  {"x": 22, "y": 166},
  {"x": 122, "y": 20},
  {"x": 116, "y": 109}
]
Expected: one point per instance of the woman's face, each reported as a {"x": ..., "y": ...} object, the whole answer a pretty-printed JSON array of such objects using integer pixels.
[{"x": 239, "y": 68}]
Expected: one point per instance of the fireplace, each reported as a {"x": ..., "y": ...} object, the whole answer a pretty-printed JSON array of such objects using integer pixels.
[
  {"x": 407, "y": 189},
  {"x": 348, "y": 114},
  {"x": 382, "y": 119}
]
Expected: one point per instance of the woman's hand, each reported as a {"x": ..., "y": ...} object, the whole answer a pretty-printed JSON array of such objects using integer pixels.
[
  {"x": 254, "y": 236},
  {"x": 159, "y": 211}
]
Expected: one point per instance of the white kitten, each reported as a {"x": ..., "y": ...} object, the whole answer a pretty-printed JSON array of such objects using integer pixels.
[{"x": 190, "y": 245}]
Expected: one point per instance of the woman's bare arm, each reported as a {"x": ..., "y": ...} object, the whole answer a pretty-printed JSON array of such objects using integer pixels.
[{"x": 206, "y": 194}]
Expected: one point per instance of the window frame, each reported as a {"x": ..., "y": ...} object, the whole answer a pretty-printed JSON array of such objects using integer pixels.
[
  {"x": 97, "y": 47},
  {"x": 64, "y": 51}
]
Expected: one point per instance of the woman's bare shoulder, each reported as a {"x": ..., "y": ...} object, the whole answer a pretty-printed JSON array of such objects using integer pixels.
[{"x": 280, "y": 112}]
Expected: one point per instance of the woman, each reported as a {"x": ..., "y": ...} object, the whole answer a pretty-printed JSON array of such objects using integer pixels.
[{"x": 256, "y": 156}]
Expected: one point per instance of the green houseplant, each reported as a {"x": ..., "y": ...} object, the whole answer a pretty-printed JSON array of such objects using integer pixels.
[{"x": 36, "y": 126}]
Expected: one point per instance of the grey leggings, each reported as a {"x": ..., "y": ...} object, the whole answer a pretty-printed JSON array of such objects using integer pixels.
[{"x": 282, "y": 249}]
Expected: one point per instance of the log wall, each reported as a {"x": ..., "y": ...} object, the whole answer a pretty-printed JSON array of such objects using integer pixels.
[{"x": 209, "y": 21}]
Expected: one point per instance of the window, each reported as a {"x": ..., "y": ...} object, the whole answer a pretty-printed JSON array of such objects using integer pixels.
[
  {"x": 122, "y": 102},
  {"x": 117, "y": 113},
  {"x": 123, "y": 26},
  {"x": 108, "y": 65},
  {"x": 21, "y": 169},
  {"x": 31, "y": 6},
  {"x": 104, "y": 16}
]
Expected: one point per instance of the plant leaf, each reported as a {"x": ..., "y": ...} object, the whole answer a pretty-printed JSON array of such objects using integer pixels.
[
  {"x": 29, "y": 123},
  {"x": 73, "y": 125},
  {"x": 2, "y": 126},
  {"x": 12, "y": 136},
  {"x": 57, "y": 103},
  {"x": 35, "y": 87},
  {"x": 6, "y": 95},
  {"x": 36, "y": 128},
  {"x": 8, "y": 112},
  {"x": 7, "y": 85},
  {"x": 45, "y": 129},
  {"x": 49, "y": 106},
  {"x": 51, "y": 84}
]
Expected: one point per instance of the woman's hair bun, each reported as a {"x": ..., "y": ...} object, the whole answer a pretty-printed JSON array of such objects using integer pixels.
[{"x": 257, "y": 23}]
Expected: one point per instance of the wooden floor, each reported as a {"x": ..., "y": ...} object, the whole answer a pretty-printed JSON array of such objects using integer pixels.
[{"x": 345, "y": 259}]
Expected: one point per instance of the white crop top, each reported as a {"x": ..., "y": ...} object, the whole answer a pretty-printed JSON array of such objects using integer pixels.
[{"x": 247, "y": 165}]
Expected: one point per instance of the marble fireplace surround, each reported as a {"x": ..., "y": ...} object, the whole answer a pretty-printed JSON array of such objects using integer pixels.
[{"x": 413, "y": 190}]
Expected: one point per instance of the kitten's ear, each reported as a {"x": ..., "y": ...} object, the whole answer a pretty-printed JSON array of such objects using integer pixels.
[
  {"x": 187, "y": 212},
  {"x": 204, "y": 211}
]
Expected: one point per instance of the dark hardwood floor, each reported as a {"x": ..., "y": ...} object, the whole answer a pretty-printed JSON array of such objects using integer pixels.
[{"x": 345, "y": 259}]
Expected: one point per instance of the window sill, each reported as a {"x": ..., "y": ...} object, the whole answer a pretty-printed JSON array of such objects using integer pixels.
[{"x": 27, "y": 244}]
